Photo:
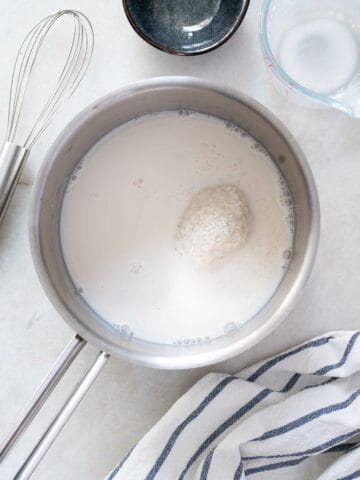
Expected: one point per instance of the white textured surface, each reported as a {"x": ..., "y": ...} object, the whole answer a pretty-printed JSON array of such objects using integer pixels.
[{"x": 127, "y": 400}]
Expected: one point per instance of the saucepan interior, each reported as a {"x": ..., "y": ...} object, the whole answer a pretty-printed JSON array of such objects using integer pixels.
[{"x": 173, "y": 93}]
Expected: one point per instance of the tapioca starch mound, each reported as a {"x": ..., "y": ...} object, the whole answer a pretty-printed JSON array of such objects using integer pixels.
[{"x": 215, "y": 223}]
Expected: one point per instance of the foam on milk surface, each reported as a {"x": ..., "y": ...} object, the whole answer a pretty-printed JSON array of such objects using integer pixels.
[{"x": 119, "y": 219}]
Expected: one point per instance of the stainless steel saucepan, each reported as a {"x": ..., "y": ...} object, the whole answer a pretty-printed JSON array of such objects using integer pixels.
[{"x": 155, "y": 95}]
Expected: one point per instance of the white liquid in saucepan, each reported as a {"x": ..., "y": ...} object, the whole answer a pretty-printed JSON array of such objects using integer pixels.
[{"x": 121, "y": 211}]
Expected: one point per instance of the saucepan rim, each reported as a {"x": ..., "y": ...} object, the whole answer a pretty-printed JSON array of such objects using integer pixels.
[{"x": 171, "y": 357}]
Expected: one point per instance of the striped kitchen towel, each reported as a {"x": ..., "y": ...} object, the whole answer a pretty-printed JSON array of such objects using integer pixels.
[{"x": 294, "y": 416}]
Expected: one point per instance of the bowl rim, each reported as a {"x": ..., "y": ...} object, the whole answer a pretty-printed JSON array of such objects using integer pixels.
[
  {"x": 275, "y": 67},
  {"x": 182, "y": 53}
]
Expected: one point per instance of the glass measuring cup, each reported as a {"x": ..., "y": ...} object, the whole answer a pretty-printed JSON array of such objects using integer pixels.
[{"x": 312, "y": 48}]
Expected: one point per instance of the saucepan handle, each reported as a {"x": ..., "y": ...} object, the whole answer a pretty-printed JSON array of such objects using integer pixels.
[
  {"x": 61, "y": 418},
  {"x": 53, "y": 377}
]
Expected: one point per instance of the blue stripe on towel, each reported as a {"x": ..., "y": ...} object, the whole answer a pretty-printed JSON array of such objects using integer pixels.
[
  {"x": 117, "y": 468},
  {"x": 194, "y": 414},
  {"x": 329, "y": 380},
  {"x": 308, "y": 418},
  {"x": 174, "y": 436},
  {"x": 351, "y": 476},
  {"x": 274, "y": 466},
  {"x": 311, "y": 451},
  {"x": 206, "y": 465},
  {"x": 239, "y": 471},
  {"x": 343, "y": 447},
  {"x": 268, "y": 365},
  {"x": 271, "y": 363},
  {"x": 293, "y": 380},
  {"x": 348, "y": 349},
  {"x": 322, "y": 371},
  {"x": 357, "y": 445},
  {"x": 221, "y": 429},
  {"x": 234, "y": 417}
]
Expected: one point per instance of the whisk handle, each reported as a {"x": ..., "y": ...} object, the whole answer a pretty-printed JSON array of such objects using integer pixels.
[{"x": 12, "y": 160}]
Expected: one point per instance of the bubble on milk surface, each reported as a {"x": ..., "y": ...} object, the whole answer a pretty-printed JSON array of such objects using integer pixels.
[
  {"x": 230, "y": 327},
  {"x": 287, "y": 254},
  {"x": 75, "y": 175},
  {"x": 186, "y": 341},
  {"x": 123, "y": 329},
  {"x": 185, "y": 113},
  {"x": 258, "y": 147}
]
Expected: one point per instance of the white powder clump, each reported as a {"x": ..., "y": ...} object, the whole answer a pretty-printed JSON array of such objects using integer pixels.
[{"x": 215, "y": 223}]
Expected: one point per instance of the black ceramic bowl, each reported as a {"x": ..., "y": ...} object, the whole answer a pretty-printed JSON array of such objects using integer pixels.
[{"x": 185, "y": 27}]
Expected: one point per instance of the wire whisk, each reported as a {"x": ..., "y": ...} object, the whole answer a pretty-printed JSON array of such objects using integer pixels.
[{"x": 14, "y": 152}]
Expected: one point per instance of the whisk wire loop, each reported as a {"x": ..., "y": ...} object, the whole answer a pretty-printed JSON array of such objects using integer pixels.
[{"x": 76, "y": 64}]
